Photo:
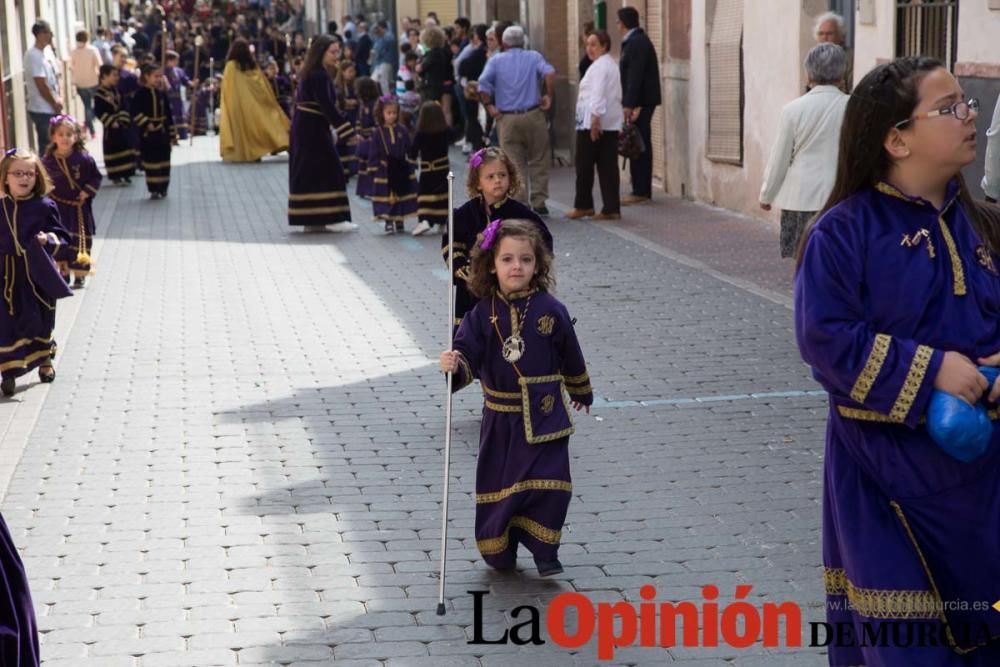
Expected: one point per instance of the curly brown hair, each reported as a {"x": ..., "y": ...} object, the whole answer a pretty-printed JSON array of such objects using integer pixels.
[
  {"x": 492, "y": 154},
  {"x": 483, "y": 280}
]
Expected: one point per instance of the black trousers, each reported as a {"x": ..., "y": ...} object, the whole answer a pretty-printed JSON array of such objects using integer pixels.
[
  {"x": 473, "y": 130},
  {"x": 642, "y": 167},
  {"x": 603, "y": 154}
]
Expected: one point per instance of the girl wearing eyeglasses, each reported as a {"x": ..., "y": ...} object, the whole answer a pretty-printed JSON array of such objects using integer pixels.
[
  {"x": 30, "y": 234},
  {"x": 897, "y": 294}
]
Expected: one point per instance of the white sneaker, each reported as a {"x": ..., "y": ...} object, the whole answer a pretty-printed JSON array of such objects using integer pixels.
[
  {"x": 460, "y": 142},
  {"x": 422, "y": 228},
  {"x": 343, "y": 227}
]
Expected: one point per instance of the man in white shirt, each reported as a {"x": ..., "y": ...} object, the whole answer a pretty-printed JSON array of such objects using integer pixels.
[
  {"x": 85, "y": 63},
  {"x": 44, "y": 100}
]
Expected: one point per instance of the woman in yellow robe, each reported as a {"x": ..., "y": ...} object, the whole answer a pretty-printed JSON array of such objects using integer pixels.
[{"x": 252, "y": 124}]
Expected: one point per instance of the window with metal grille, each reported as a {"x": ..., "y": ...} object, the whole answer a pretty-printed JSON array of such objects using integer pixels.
[
  {"x": 725, "y": 83},
  {"x": 927, "y": 28}
]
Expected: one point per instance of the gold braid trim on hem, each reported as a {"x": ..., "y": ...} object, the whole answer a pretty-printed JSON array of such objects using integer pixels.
[
  {"x": 313, "y": 196},
  {"x": 26, "y": 361},
  {"x": 526, "y": 485},
  {"x": 495, "y": 545},
  {"x": 881, "y": 603}
]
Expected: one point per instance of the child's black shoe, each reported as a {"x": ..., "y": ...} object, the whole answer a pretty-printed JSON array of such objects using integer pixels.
[{"x": 547, "y": 568}]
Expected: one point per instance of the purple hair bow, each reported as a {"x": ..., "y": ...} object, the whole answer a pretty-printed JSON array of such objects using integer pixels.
[
  {"x": 477, "y": 158},
  {"x": 385, "y": 99},
  {"x": 55, "y": 120},
  {"x": 490, "y": 234}
]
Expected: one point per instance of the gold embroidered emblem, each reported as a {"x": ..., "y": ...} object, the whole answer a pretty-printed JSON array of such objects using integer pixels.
[
  {"x": 985, "y": 258},
  {"x": 914, "y": 240},
  {"x": 548, "y": 404},
  {"x": 545, "y": 325}
]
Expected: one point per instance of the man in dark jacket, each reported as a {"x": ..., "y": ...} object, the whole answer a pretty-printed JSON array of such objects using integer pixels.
[
  {"x": 640, "y": 74},
  {"x": 362, "y": 50}
]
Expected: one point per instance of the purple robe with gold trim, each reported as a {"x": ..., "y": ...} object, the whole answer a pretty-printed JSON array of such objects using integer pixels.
[
  {"x": 177, "y": 80},
  {"x": 31, "y": 283},
  {"x": 70, "y": 176},
  {"x": 469, "y": 221},
  {"x": 911, "y": 536},
  {"x": 523, "y": 484},
  {"x": 18, "y": 629},
  {"x": 392, "y": 198},
  {"x": 317, "y": 189}
]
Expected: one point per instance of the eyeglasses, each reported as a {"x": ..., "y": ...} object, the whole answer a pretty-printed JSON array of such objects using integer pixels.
[
  {"x": 959, "y": 110},
  {"x": 22, "y": 174}
]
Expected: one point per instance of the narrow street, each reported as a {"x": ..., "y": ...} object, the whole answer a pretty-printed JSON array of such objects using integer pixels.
[{"x": 241, "y": 460}]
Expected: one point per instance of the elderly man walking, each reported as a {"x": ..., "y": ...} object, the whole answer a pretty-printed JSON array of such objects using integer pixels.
[
  {"x": 832, "y": 29},
  {"x": 510, "y": 90},
  {"x": 44, "y": 101}
]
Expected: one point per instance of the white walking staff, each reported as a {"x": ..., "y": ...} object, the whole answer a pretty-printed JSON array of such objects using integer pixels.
[{"x": 447, "y": 412}]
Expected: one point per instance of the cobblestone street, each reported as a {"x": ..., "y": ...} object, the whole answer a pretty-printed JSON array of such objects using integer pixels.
[{"x": 241, "y": 460}]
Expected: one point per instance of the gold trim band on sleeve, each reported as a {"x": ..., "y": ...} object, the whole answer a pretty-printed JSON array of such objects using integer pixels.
[
  {"x": 911, "y": 386},
  {"x": 876, "y": 358}
]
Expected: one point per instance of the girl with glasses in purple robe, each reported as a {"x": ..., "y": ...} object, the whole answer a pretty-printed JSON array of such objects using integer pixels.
[{"x": 897, "y": 303}]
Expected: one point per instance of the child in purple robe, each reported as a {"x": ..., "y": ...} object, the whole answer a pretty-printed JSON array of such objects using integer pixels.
[
  {"x": 519, "y": 340},
  {"x": 367, "y": 91},
  {"x": 348, "y": 105},
  {"x": 430, "y": 144},
  {"x": 75, "y": 181},
  {"x": 177, "y": 80},
  {"x": 18, "y": 627},
  {"x": 394, "y": 185},
  {"x": 491, "y": 182},
  {"x": 116, "y": 139},
  {"x": 897, "y": 298},
  {"x": 30, "y": 234}
]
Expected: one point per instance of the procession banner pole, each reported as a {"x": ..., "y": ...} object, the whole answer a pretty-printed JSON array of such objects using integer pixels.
[
  {"x": 163, "y": 47},
  {"x": 198, "y": 41},
  {"x": 447, "y": 413},
  {"x": 211, "y": 92}
]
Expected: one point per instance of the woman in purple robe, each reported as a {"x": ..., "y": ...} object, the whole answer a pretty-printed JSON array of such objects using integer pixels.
[
  {"x": 30, "y": 234},
  {"x": 897, "y": 295},
  {"x": 519, "y": 340},
  {"x": 75, "y": 180},
  {"x": 394, "y": 185},
  {"x": 18, "y": 629},
  {"x": 317, "y": 190}
]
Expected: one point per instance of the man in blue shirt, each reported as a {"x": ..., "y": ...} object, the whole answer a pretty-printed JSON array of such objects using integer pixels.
[
  {"x": 385, "y": 55},
  {"x": 509, "y": 88}
]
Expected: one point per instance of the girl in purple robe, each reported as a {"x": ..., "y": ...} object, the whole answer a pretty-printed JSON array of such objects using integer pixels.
[
  {"x": 431, "y": 144},
  {"x": 394, "y": 185},
  {"x": 491, "y": 182},
  {"x": 897, "y": 294},
  {"x": 367, "y": 91},
  {"x": 152, "y": 118},
  {"x": 116, "y": 139},
  {"x": 75, "y": 181},
  {"x": 348, "y": 104},
  {"x": 519, "y": 340},
  {"x": 177, "y": 80},
  {"x": 317, "y": 190},
  {"x": 30, "y": 234},
  {"x": 18, "y": 629}
]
